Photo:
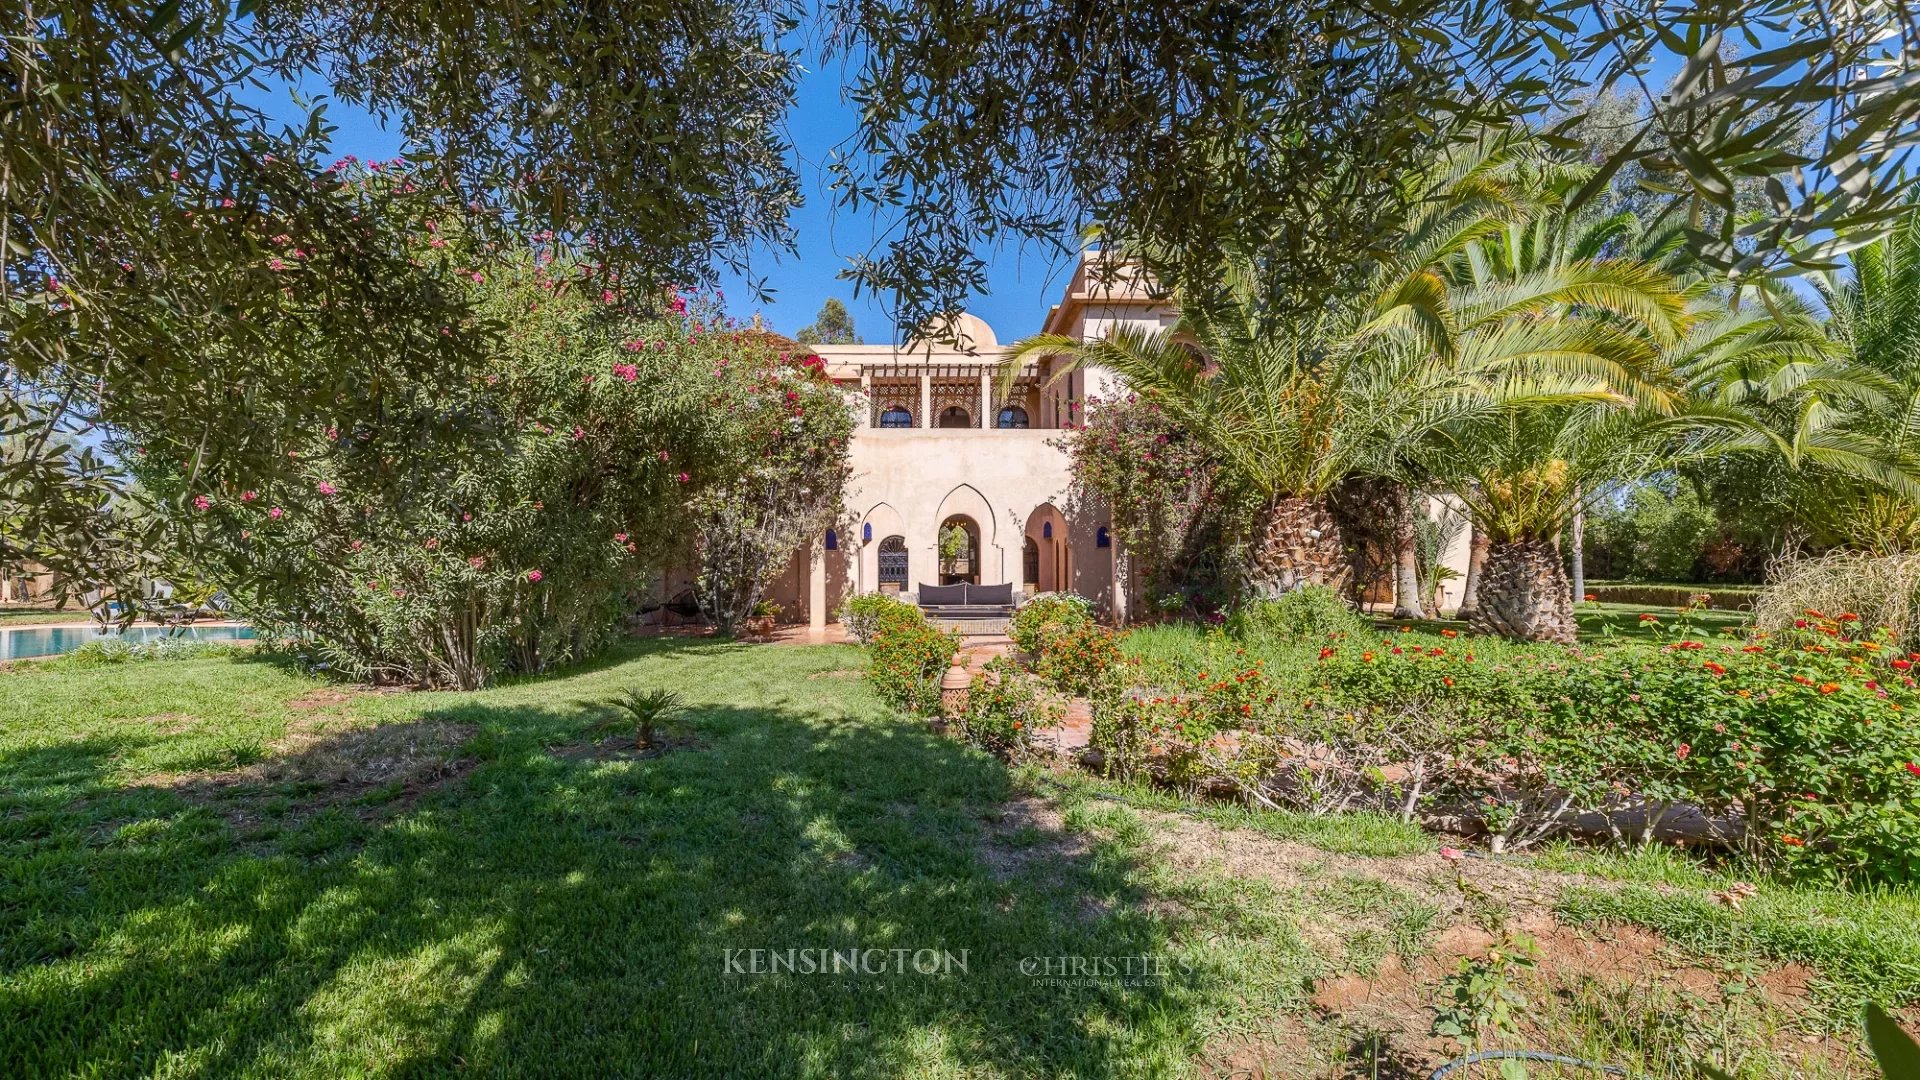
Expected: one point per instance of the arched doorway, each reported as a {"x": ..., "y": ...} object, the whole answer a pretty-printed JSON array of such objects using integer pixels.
[
  {"x": 1051, "y": 551},
  {"x": 1029, "y": 566},
  {"x": 959, "y": 539},
  {"x": 893, "y": 564},
  {"x": 955, "y": 417}
]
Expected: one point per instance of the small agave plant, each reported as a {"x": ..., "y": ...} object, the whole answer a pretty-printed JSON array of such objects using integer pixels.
[{"x": 649, "y": 710}]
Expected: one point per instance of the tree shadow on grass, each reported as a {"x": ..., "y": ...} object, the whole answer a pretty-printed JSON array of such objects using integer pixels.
[{"x": 565, "y": 916}]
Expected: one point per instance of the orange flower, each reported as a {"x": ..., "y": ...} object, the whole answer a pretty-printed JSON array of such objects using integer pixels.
[
  {"x": 1793, "y": 840},
  {"x": 1829, "y": 687},
  {"x": 1366, "y": 657},
  {"x": 1447, "y": 679},
  {"x": 1590, "y": 598},
  {"x": 1449, "y": 633},
  {"x": 1648, "y": 616}
]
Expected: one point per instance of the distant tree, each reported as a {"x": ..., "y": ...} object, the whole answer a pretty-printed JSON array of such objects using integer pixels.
[{"x": 833, "y": 326}]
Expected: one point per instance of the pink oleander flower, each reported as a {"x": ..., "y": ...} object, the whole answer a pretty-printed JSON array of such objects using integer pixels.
[
  {"x": 534, "y": 576},
  {"x": 275, "y": 513},
  {"x": 628, "y": 372},
  {"x": 433, "y": 542},
  {"x": 683, "y": 478},
  {"x": 579, "y": 433},
  {"x": 663, "y": 455},
  {"x": 325, "y": 488},
  {"x": 619, "y": 538},
  {"x": 249, "y": 496},
  {"x": 1452, "y": 854},
  {"x": 478, "y": 277},
  {"x": 201, "y": 502},
  {"x": 356, "y": 545},
  {"x": 477, "y": 562}
]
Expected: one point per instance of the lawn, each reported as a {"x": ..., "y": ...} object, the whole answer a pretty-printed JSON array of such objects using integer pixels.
[
  {"x": 218, "y": 866},
  {"x": 20, "y": 615}
]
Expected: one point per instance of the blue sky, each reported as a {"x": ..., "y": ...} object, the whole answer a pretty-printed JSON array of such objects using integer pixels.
[{"x": 1022, "y": 284}]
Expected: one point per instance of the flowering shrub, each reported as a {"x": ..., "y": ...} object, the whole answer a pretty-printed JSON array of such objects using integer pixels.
[
  {"x": 906, "y": 657},
  {"x": 505, "y": 518},
  {"x": 1808, "y": 735},
  {"x": 1170, "y": 502},
  {"x": 1074, "y": 660},
  {"x": 1041, "y": 617},
  {"x": 864, "y": 614},
  {"x": 1007, "y": 709}
]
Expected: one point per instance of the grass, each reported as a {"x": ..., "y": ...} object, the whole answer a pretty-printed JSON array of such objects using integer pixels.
[
  {"x": 215, "y": 865},
  {"x": 19, "y": 615}
]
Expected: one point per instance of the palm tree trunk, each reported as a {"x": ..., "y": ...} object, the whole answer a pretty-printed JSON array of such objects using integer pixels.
[
  {"x": 1578, "y": 530},
  {"x": 1406, "y": 557},
  {"x": 1477, "y": 545},
  {"x": 1300, "y": 544},
  {"x": 1524, "y": 593}
]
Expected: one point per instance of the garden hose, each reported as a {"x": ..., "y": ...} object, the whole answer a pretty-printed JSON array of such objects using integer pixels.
[{"x": 1525, "y": 1055}]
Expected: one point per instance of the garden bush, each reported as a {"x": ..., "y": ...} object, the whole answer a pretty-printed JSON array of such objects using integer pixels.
[
  {"x": 1007, "y": 709},
  {"x": 1709, "y": 597},
  {"x": 1074, "y": 659},
  {"x": 508, "y": 519},
  {"x": 1309, "y": 613},
  {"x": 1808, "y": 735},
  {"x": 1800, "y": 742},
  {"x": 906, "y": 658},
  {"x": 1041, "y": 617},
  {"x": 1883, "y": 590},
  {"x": 864, "y": 614}
]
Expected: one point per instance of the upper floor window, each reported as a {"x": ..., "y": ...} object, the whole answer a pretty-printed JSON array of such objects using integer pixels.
[
  {"x": 896, "y": 416},
  {"x": 1011, "y": 416},
  {"x": 955, "y": 416}
]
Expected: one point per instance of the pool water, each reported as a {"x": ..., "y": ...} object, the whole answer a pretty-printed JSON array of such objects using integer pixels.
[{"x": 53, "y": 640}]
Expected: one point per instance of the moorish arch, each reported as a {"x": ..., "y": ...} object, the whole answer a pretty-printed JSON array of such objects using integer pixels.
[
  {"x": 879, "y": 525},
  {"x": 1052, "y": 549},
  {"x": 965, "y": 501}
]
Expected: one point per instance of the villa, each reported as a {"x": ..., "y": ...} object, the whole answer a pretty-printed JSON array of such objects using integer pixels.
[{"x": 939, "y": 453}]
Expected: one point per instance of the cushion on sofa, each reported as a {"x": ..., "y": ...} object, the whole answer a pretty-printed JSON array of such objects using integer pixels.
[
  {"x": 940, "y": 595},
  {"x": 1001, "y": 594}
]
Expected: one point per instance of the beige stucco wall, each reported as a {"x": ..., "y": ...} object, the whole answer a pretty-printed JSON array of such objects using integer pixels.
[{"x": 907, "y": 482}]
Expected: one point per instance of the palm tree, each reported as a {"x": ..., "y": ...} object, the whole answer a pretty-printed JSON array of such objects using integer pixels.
[
  {"x": 1844, "y": 408},
  {"x": 1273, "y": 401},
  {"x": 1295, "y": 404}
]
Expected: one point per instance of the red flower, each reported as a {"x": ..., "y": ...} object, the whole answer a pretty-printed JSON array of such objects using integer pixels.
[
  {"x": 1326, "y": 652},
  {"x": 1449, "y": 633},
  {"x": 1715, "y": 668},
  {"x": 1902, "y": 665},
  {"x": 1682, "y": 751},
  {"x": 1793, "y": 840},
  {"x": 1914, "y": 768},
  {"x": 1648, "y": 616},
  {"x": 1847, "y": 616}
]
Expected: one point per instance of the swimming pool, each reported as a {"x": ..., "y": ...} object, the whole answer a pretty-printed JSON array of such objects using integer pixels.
[{"x": 53, "y": 640}]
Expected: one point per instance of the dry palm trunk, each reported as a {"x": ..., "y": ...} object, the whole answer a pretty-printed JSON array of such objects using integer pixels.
[
  {"x": 1300, "y": 545},
  {"x": 1477, "y": 547},
  {"x": 1406, "y": 556},
  {"x": 1524, "y": 593}
]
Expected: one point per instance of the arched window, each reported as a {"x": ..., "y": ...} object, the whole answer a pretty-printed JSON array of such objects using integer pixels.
[
  {"x": 896, "y": 416},
  {"x": 955, "y": 416},
  {"x": 1011, "y": 416},
  {"x": 893, "y": 563}
]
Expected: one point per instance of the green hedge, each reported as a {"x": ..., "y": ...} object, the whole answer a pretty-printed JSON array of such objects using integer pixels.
[{"x": 1719, "y": 597}]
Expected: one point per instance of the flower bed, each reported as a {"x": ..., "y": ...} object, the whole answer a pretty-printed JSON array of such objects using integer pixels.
[{"x": 1801, "y": 747}]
